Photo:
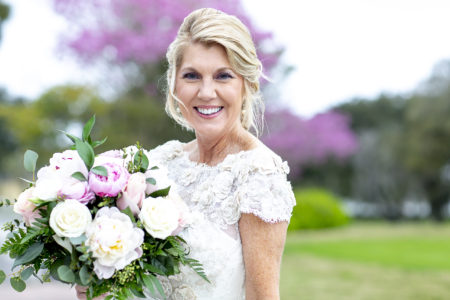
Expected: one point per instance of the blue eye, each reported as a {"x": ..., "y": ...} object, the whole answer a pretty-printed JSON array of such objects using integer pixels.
[
  {"x": 190, "y": 75},
  {"x": 224, "y": 75}
]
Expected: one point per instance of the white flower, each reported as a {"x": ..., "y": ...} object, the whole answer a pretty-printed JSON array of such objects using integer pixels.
[
  {"x": 160, "y": 216},
  {"x": 114, "y": 241},
  {"x": 70, "y": 219},
  {"x": 222, "y": 184},
  {"x": 25, "y": 207},
  {"x": 161, "y": 177},
  {"x": 48, "y": 184},
  {"x": 230, "y": 210},
  {"x": 67, "y": 163},
  {"x": 183, "y": 292}
]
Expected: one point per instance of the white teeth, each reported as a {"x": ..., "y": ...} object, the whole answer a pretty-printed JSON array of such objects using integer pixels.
[{"x": 208, "y": 111}]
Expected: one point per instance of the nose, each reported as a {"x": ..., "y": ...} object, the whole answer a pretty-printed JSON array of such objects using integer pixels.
[{"x": 207, "y": 90}]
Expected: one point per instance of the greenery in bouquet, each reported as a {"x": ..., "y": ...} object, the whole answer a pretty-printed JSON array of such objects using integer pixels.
[{"x": 108, "y": 222}]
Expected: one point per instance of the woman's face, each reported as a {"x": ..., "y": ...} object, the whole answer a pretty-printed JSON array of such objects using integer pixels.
[{"x": 210, "y": 91}]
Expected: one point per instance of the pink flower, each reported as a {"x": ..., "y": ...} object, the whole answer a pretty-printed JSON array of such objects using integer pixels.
[
  {"x": 110, "y": 185},
  {"x": 73, "y": 189},
  {"x": 134, "y": 193},
  {"x": 25, "y": 207}
]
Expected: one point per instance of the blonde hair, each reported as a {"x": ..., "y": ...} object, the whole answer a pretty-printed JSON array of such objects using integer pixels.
[{"x": 211, "y": 26}]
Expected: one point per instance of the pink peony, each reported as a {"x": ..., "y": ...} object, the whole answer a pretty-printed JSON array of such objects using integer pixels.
[
  {"x": 73, "y": 189},
  {"x": 25, "y": 207},
  {"x": 111, "y": 185},
  {"x": 134, "y": 193}
]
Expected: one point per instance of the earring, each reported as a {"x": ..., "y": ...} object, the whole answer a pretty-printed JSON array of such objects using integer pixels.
[{"x": 178, "y": 110}]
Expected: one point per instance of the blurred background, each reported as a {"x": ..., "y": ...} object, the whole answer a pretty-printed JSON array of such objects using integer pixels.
[{"x": 358, "y": 104}]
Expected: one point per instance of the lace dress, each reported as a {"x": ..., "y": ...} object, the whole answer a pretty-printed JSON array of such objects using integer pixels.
[{"x": 252, "y": 181}]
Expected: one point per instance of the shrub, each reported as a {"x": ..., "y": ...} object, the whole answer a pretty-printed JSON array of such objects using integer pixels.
[{"x": 316, "y": 208}]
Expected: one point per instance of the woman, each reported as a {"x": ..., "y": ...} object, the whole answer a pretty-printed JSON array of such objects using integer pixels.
[{"x": 235, "y": 186}]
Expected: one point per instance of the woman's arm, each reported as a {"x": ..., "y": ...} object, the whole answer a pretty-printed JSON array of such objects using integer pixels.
[{"x": 262, "y": 247}]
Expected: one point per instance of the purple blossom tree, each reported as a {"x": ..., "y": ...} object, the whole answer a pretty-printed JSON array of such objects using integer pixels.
[
  {"x": 140, "y": 31},
  {"x": 305, "y": 142}
]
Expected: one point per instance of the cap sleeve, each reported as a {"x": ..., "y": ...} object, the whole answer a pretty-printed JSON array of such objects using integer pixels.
[{"x": 264, "y": 190}]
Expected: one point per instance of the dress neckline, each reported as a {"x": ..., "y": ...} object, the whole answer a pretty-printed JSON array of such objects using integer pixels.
[{"x": 185, "y": 156}]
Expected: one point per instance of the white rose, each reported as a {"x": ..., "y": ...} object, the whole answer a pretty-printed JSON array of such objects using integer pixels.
[
  {"x": 114, "y": 241},
  {"x": 160, "y": 216},
  {"x": 184, "y": 292},
  {"x": 70, "y": 219}
]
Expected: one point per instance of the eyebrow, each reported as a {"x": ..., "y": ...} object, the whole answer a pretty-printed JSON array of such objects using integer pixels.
[{"x": 190, "y": 69}]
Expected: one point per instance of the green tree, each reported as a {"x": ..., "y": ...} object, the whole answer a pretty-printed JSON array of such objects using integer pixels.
[{"x": 5, "y": 11}]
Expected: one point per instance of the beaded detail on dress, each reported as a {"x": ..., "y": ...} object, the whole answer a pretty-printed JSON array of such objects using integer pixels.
[{"x": 252, "y": 181}]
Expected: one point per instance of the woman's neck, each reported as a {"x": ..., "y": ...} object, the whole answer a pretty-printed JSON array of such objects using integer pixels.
[{"x": 212, "y": 151}]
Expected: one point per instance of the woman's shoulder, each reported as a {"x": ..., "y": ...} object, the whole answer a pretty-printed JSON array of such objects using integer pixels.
[{"x": 260, "y": 160}]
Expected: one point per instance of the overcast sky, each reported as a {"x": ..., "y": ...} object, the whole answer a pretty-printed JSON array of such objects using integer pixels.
[{"x": 340, "y": 49}]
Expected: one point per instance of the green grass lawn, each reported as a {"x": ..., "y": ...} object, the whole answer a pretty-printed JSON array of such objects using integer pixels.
[{"x": 366, "y": 261}]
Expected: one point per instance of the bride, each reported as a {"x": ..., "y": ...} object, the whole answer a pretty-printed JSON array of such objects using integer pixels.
[{"x": 235, "y": 186}]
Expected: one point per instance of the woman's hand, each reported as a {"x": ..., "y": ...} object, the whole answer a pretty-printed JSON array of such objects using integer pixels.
[
  {"x": 81, "y": 293},
  {"x": 262, "y": 248}
]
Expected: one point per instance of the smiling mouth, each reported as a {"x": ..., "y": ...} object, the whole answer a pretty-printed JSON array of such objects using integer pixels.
[{"x": 208, "y": 111}]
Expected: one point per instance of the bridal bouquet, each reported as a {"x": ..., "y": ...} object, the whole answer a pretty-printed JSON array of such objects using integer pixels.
[{"x": 108, "y": 222}]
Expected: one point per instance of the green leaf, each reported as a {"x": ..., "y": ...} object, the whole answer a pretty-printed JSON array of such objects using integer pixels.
[
  {"x": 158, "y": 286},
  {"x": 88, "y": 128},
  {"x": 78, "y": 240},
  {"x": 2, "y": 276},
  {"x": 153, "y": 269},
  {"x": 140, "y": 159},
  {"x": 95, "y": 144},
  {"x": 25, "y": 274},
  {"x": 29, "y": 160},
  {"x": 66, "y": 274},
  {"x": 86, "y": 153},
  {"x": 151, "y": 180},
  {"x": 18, "y": 284},
  {"x": 30, "y": 254},
  {"x": 85, "y": 277},
  {"x": 110, "y": 297},
  {"x": 100, "y": 170},
  {"x": 79, "y": 176},
  {"x": 149, "y": 284},
  {"x": 129, "y": 213},
  {"x": 73, "y": 138},
  {"x": 160, "y": 193},
  {"x": 137, "y": 293}
]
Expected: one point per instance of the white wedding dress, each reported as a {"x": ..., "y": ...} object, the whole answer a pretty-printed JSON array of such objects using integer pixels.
[{"x": 252, "y": 181}]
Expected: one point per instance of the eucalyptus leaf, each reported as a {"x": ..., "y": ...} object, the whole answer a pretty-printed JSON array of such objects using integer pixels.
[
  {"x": 29, "y": 160},
  {"x": 88, "y": 128},
  {"x": 2, "y": 276},
  {"x": 79, "y": 176},
  {"x": 30, "y": 254},
  {"x": 18, "y": 284},
  {"x": 86, "y": 153},
  {"x": 66, "y": 274},
  {"x": 85, "y": 277},
  {"x": 151, "y": 180},
  {"x": 25, "y": 274},
  {"x": 78, "y": 240},
  {"x": 100, "y": 170},
  {"x": 160, "y": 193}
]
